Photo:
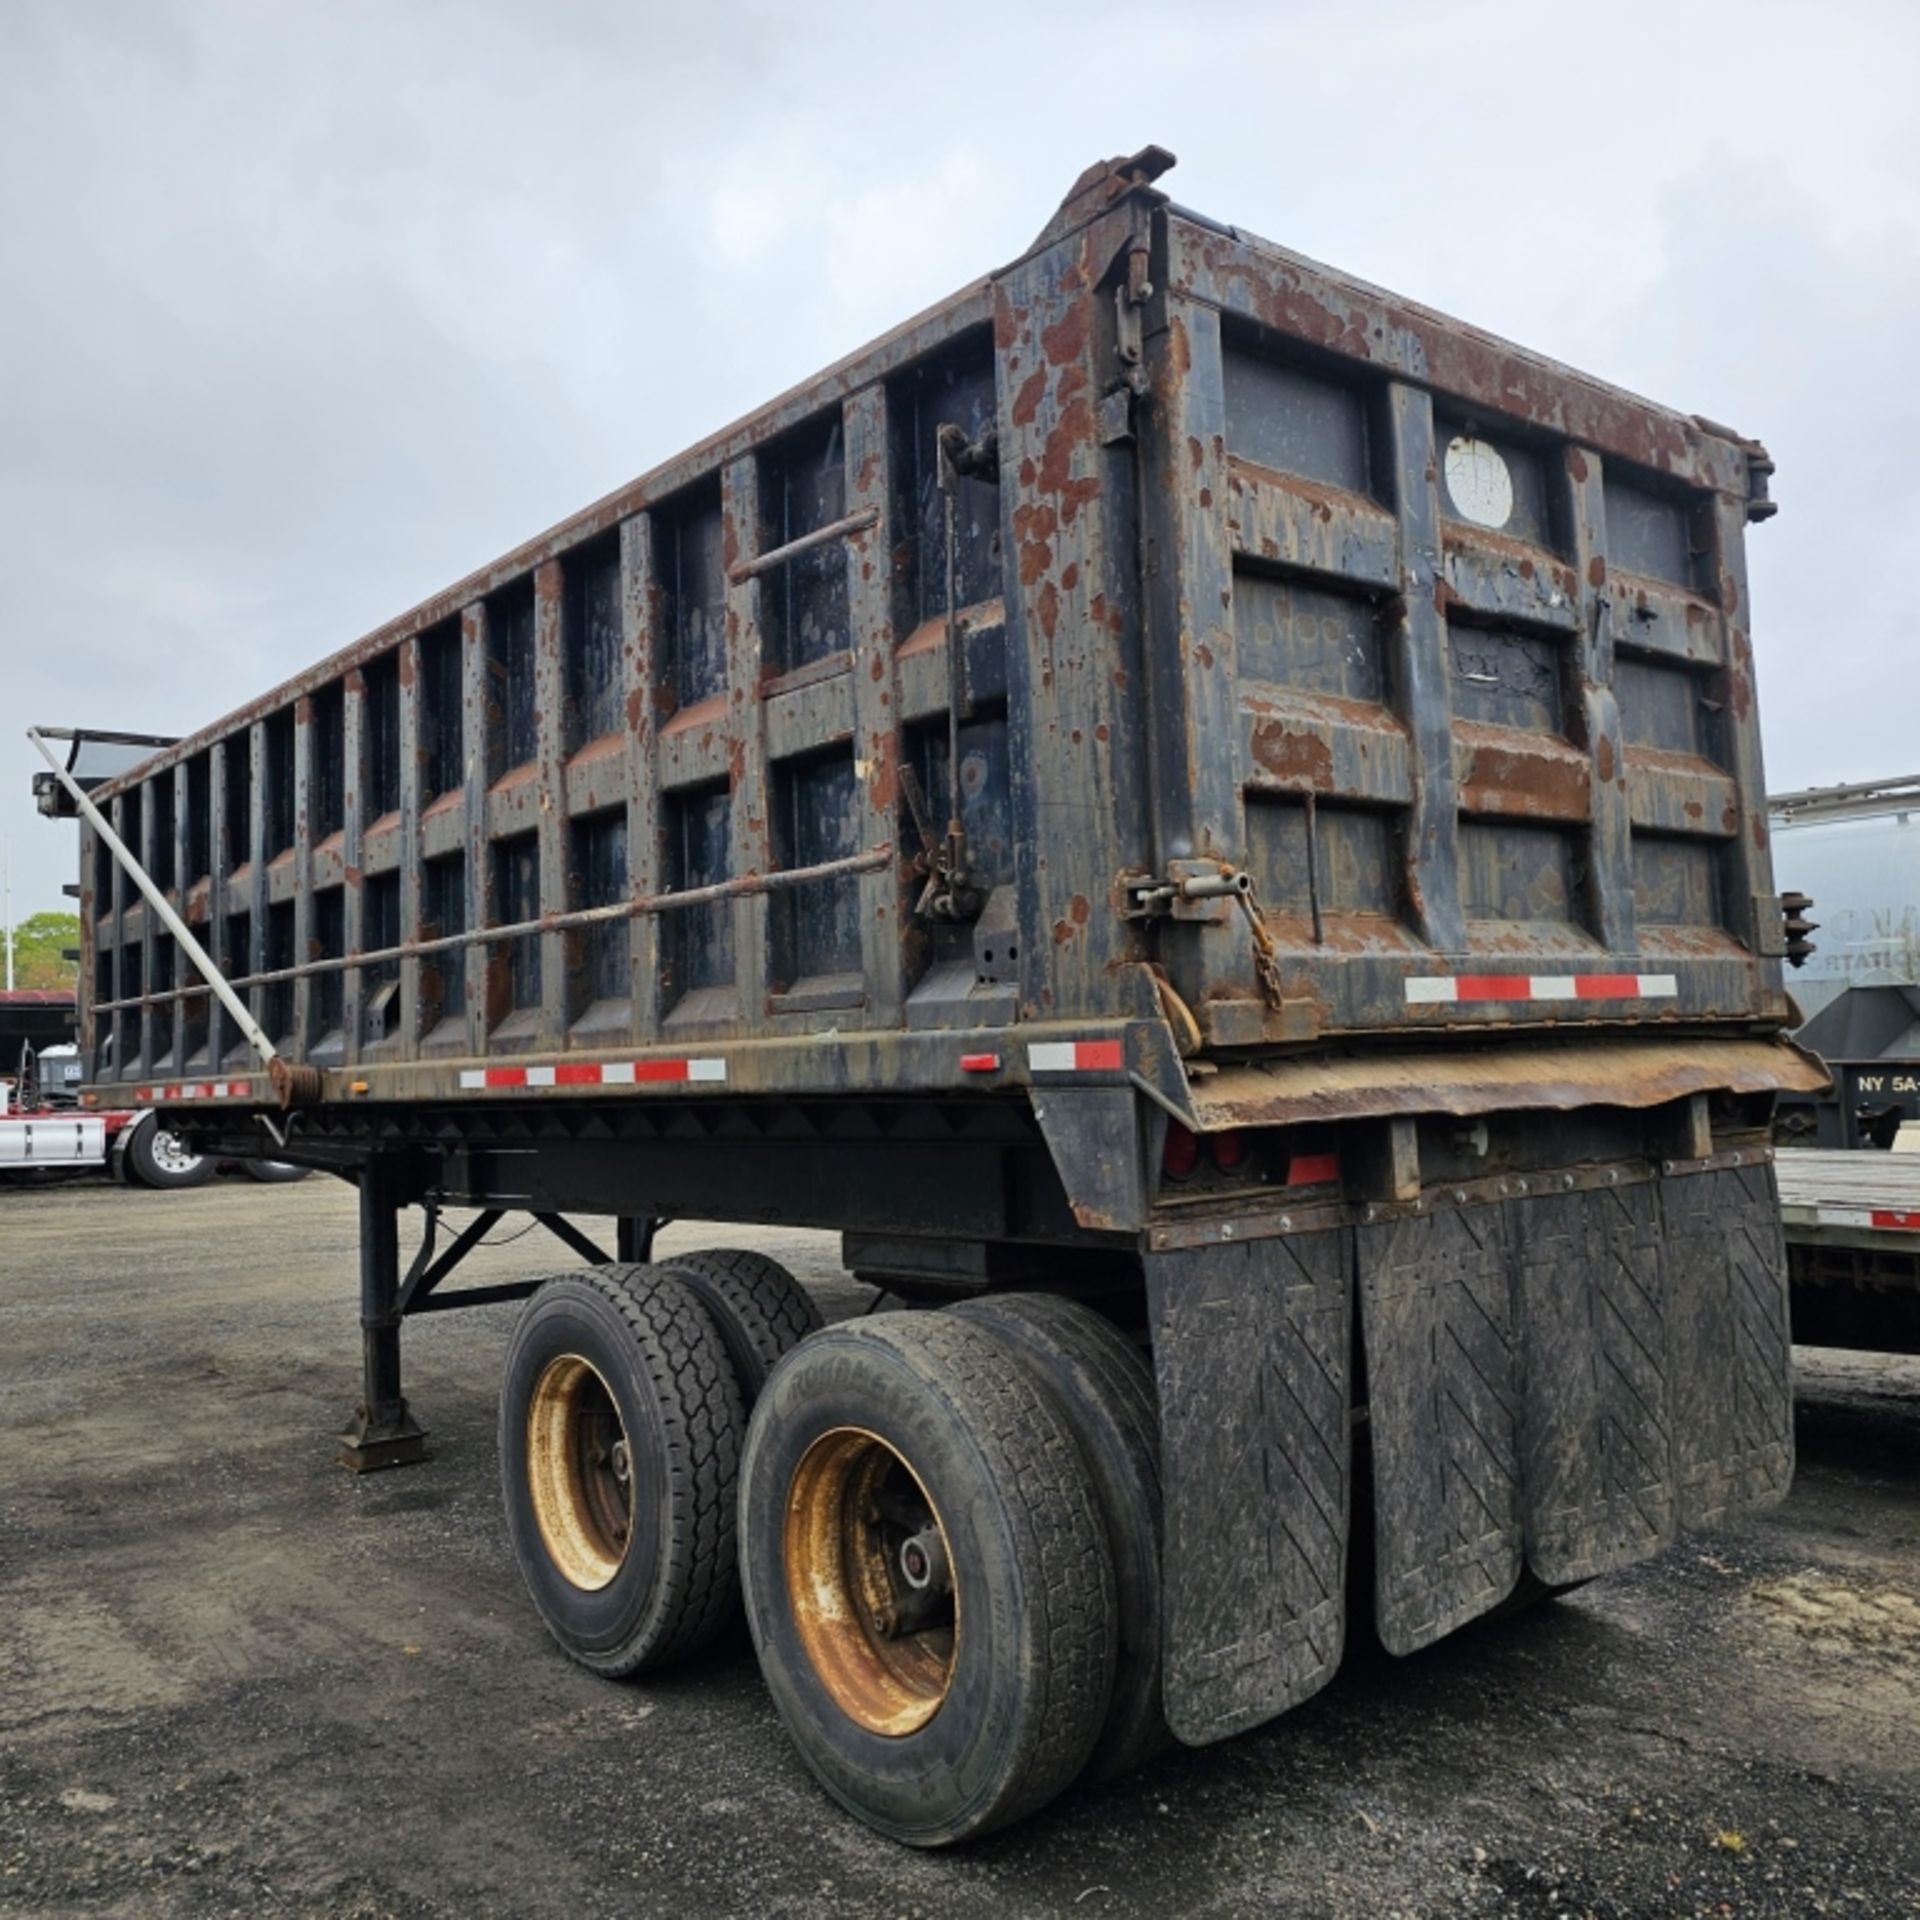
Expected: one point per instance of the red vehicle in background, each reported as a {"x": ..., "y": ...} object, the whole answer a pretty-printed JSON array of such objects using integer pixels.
[{"x": 43, "y": 1130}]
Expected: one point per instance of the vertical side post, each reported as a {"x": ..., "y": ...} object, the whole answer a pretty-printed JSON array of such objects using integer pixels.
[
  {"x": 149, "y": 845},
  {"x": 184, "y": 875},
  {"x": 353, "y": 821},
  {"x": 753, "y": 851},
  {"x": 1747, "y": 869},
  {"x": 258, "y": 885},
  {"x": 306, "y": 786},
  {"x": 641, "y": 674},
  {"x": 1610, "y": 840},
  {"x": 412, "y": 778},
  {"x": 1069, "y": 532},
  {"x": 223, "y": 858},
  {"x": 1422, "y": 672},
  {"x": 481, "y": 962},
  {"x": 555, "y": 825},
  {"x": 885, "y": 901},
  {"x": 382, "y": 1432},
  {"x": 1191, "y": 666},
  {"x": 117, "y": 910}
]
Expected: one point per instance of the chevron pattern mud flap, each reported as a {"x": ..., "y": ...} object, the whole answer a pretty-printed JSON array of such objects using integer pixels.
[
  {"x": 1251, "y": 1347},
  {"x": 1729, "y": 1344},
  {"x": 1443, "y": 1412},
  {"x": 1597, "y": 1430},
  {"x": 1566, "y": 1380}
]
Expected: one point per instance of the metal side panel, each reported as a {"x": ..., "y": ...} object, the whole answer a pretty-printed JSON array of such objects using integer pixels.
[
  {"x": 1729, "y": 1347},
  {"x": 1443, "y": 1400},
  {"x": 1252, "y": 1349},
  {"x": 1590, "y": 1283},
  {"x": 66, "y": 1141}
]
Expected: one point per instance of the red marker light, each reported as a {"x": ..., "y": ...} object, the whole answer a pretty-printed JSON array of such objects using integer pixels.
[
  {"x": 1181, "y": 1154},
  {"x": 1229, "y": 1150}
]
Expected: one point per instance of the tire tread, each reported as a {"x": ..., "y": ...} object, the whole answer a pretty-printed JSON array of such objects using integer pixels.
[{"x": 698, "y": 1404}]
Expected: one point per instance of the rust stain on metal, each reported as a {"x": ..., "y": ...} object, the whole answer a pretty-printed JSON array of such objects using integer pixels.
[
  {"x": 1464, "y": 1081},
  {"x": 1504, "y": 772},
  {"x": 1292, "y": 756}
]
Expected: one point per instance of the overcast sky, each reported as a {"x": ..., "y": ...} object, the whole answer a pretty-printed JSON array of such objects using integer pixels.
[{"x": 305, "y": 311}]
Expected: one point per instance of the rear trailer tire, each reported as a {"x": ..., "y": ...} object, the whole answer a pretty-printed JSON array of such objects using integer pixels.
[
  {"x": 886, "y": 1455},
  {"x": 620, "y": 1428},
  {"x": 761, "y": 1310},
  {"x": 155, "y": 1157},
  {"x": 272, "y": 1172},
  {"x": 1102, "y": 1387}
]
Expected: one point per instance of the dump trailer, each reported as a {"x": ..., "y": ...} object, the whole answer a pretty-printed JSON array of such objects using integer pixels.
[{"x": 1209, "y": 820}]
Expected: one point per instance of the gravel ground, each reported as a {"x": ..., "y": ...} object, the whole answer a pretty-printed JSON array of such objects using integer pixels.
[{"x": 235, "y": 1680}]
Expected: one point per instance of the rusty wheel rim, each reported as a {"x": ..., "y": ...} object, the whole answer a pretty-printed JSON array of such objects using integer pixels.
[
  {"x": 860, "y": 1526},
  {"x": 579, "y": 1472}
]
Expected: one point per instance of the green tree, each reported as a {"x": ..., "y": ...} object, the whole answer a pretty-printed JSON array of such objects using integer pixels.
[{"x": 38, "y": 943}]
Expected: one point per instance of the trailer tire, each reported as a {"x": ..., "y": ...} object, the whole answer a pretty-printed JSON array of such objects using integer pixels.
[
  {"x": 915, "y": 1426},
  {"x": 761, "y": 1310},
  {"x": 154, "y": 1157},
  {"x": 1102, "y": 1387},
  {"x": 272, "y": 1172},
  {"x": 602, "y": 1371}
]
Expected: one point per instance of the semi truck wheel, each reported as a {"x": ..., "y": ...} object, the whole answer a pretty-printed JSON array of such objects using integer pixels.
[
  {"x": 154, "y": 1157},
  {"x": 272, "y": 1172},
  {"x": 1102, "y": 1387},
  {"x": 926, "y": 1576},
  {"x": 620, "y": 1425},
  {"x": 761, "y": 1310}
]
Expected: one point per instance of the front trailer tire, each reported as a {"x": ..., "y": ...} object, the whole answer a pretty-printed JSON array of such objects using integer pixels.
[
  {"x": 761, "y": 1311},
  {"x": 932, "y": 1723},
  {"x": 620, "y": 1428}
]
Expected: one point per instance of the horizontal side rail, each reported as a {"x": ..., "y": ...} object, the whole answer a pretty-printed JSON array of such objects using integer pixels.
[{"x": 743, "y": 886}]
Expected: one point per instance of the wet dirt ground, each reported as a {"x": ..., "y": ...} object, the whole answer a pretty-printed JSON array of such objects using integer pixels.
[{"x": 236, "y": 1680}]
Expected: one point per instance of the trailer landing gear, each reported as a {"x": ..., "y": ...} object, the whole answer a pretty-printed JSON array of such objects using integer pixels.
[{"x": 382, "y": 1433}]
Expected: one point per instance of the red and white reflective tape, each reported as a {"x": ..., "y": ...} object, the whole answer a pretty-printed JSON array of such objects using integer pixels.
[
  {"x": 1881, "y": 1219},
  {"x": 1076, "y": 1056},
  {"x": 1454, "y": 989},
  {"x": 598, "y": 1073},
  {"x": 193, "y": 1090}
]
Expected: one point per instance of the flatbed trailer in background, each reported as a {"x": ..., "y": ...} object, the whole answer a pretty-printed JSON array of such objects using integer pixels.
[
  {"x": 1208, "y": 819},
  {"x": 1852, "y": 1222}
]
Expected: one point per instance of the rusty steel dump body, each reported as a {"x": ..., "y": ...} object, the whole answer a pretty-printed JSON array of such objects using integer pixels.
[{"x": 1358, "y": 770}]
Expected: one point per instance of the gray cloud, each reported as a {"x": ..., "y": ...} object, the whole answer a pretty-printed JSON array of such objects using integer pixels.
[{"x": 307, "y": 311}]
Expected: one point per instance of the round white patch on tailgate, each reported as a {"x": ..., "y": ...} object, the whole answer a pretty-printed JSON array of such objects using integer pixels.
[{"x": 1478, "y": 482}]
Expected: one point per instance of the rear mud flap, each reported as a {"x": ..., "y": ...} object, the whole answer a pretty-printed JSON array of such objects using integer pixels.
[
  {"x": 1567, "y": 1379},
  {"x": 1559, "y": 1382},
  {"x": 1251, "y": 1347},
  {"x": 1443, "y": 1412},
  {"x": 1727, "y": 1258}
]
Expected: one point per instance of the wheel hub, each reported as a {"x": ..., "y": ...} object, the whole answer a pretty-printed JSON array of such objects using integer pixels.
[
  {"x": 870, "y": 1582},
  {"x": 579, "y": 1472}
]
